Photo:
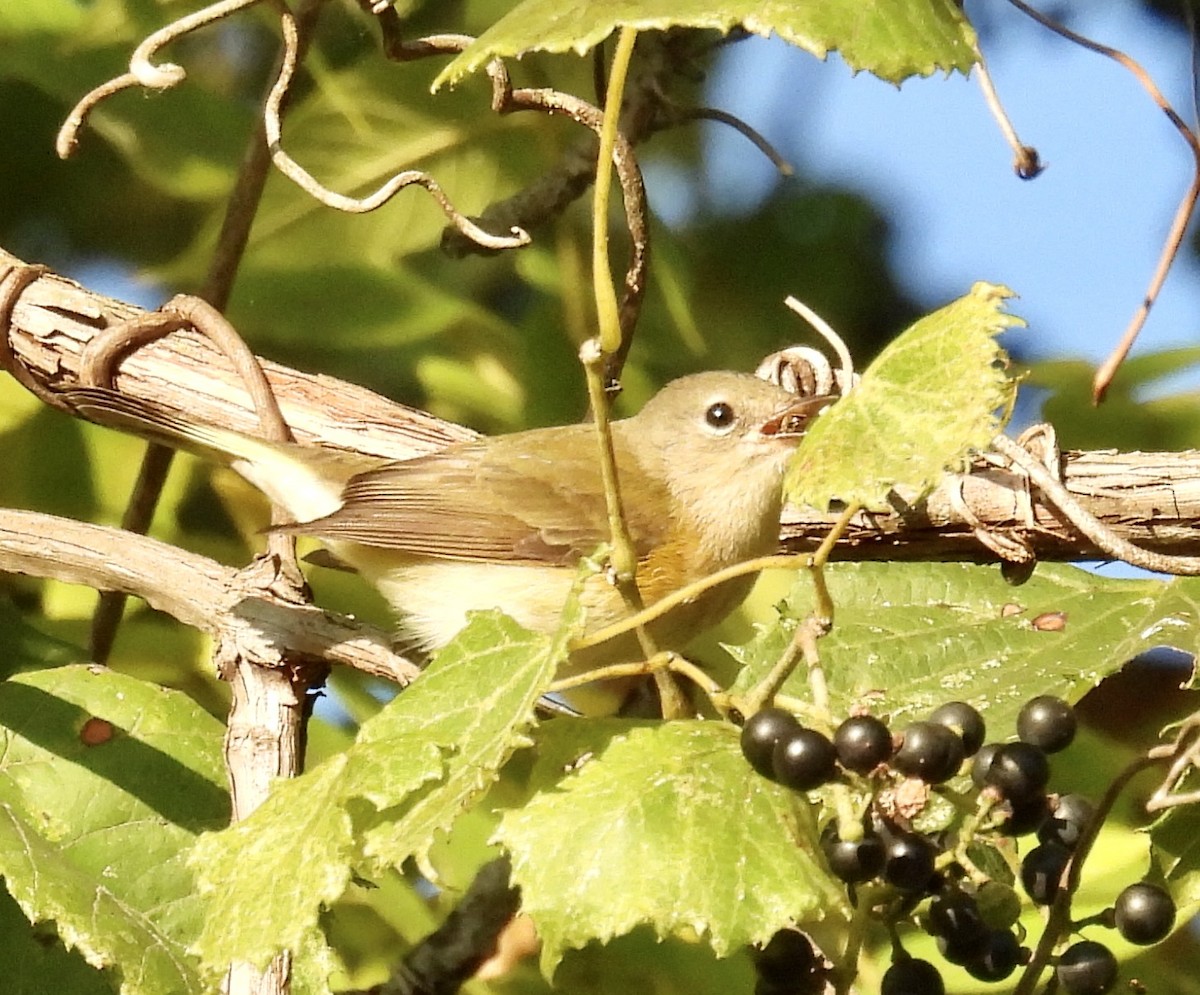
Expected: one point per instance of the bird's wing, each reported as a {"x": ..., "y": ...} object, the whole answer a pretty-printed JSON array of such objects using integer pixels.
[{"x": 506, "y": 500}]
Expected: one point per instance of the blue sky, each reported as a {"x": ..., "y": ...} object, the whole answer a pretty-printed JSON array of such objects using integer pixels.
[{"x": 1078, "y": 244}]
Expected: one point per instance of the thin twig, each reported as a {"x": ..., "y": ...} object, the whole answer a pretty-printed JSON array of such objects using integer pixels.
[
  {"x": 846, "y": 378},
  {"x": 67, "y": 140},
  {"x": 360, "y": 205},
  {"x": 595, "y": 356},
  {"x": 623, "y": 554},
  {"x": 142, "y": 72},
  {"x": 1058, "y": 921},
  {"x": 1108, "y": 369},
  {"x": 168, "y": 74},
  {"x": 1186, "y": 758},
  {"x": 611, "y": 672},
  {"x": 1026, "y": 163},
  {"x": 684, "y": 594},
  {"x": 744, "y": 129},
  {"x": 139, "y": 512}
]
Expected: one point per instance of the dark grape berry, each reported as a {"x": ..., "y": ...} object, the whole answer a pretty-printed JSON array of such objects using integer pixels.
[
  {"x": 863, "y": 742},
  {"x": 785, "y": 960},
  {"x": 803, "y": 759},
  {"x": 1086, "y": 968},
  {"x": 760, "y": 734},
  {"x": 909, "y": 862},
  {"x": 912, "y": 977},
  {"x": 999, "y": 959},
  {"x": 853, "y": 861},
  {"x": 964, "y": 720},
  {"x": 1041, "y": 871},
  {"x": 929, "y": 751},
  {"x": 955, "y": 920},
  {"x": 1027, "y": 816},
  {"x": 1019, "y": 771},
  {"x": 983, "y": 763},
  {"x": 1068, "y": 817},
  {"x": 1047, "y": 722},
  {"x": 1145, "y": 913},
  {"x": 955, "y": 914}
]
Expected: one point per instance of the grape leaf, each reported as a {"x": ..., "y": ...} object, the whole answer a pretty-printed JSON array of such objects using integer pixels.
[
  {"x": 414, "y": 767},
  {"x": 664, "y": 825},
  {"x": 929, "y": 398},
  {"x": 26, "y": 647},
  {"x": 894, "y": 40},
  {"x": 104, "y": 783},
  {"x": 35, "y": 964},
  {"x": 1175, "y": 846},
  {"x": 906, "y": 637},
  {"x": 88, "y": 915}
]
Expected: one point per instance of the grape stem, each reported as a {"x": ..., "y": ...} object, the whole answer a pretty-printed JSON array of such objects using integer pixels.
[
  {"x": 815, "y": 626},
  {"x": 1058, "y": 921},
  {"x": 845, "y": 972}
]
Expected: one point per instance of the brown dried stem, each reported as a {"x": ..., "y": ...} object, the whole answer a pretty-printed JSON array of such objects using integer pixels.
[
  {"x": 551, "y": 195},
  {"x": 143, "y": 72},
  {"x": 387, "y": 190},
  {"x": 1058, "y": 921},
  {"x": 1026, "y": 163},
  {"x": 1185, "y": 758},
  {"x": 232, "y": 239},
  {"x": 246, "y": 617}
]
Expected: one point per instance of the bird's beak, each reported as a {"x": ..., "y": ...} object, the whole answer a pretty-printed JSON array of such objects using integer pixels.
[{"x": 793, "y": 420}]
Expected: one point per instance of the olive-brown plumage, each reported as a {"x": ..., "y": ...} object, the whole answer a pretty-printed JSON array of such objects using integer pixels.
[{"x": 502, "y": 522}]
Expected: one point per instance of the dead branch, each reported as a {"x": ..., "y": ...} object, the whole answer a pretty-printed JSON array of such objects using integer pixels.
[
  {"x": 1152, "y": 499},
  {"x": 237, "y": 608},
  {"x": 54, "y": 319}
]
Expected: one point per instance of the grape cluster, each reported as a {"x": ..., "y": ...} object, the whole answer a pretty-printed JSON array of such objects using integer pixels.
[{"x": 973, "y": 918}]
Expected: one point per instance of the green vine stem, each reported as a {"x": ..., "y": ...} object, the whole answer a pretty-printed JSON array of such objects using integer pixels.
[
  {"x": 607, "y": 314},
  {"x": 594, "y": 355}
]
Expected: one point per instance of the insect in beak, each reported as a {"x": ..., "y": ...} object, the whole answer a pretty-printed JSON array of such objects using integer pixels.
[{"x": 794, "y": 419}]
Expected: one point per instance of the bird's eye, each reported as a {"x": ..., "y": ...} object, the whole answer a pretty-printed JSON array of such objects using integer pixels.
[{"x": 719, "y": 415}]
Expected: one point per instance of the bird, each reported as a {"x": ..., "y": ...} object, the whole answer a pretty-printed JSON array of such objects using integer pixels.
[{"x": 504, "y": 521}]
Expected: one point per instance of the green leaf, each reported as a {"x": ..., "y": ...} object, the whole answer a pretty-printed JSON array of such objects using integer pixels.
[
  {"x": 35, "y": 962},
  {"x": 28, "y": 648},
  {"x": 413, "y": 769},
  {"x": 257, "y": 906},
  {"x": 907, "y": 637},
  {"x": 929, "y": 398},
  {"x": 894, "y": 40},
  {"x": 674, "y": 831},
  {"x": 104, "y": 783},
  {"x": 1175, "y": 847},
  {"x": 481, "y": 706},
  {"x": 88, "y": 916}
]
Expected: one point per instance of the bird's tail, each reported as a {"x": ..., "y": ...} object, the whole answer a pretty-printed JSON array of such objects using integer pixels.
[{"x": 305, "y": 480}]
